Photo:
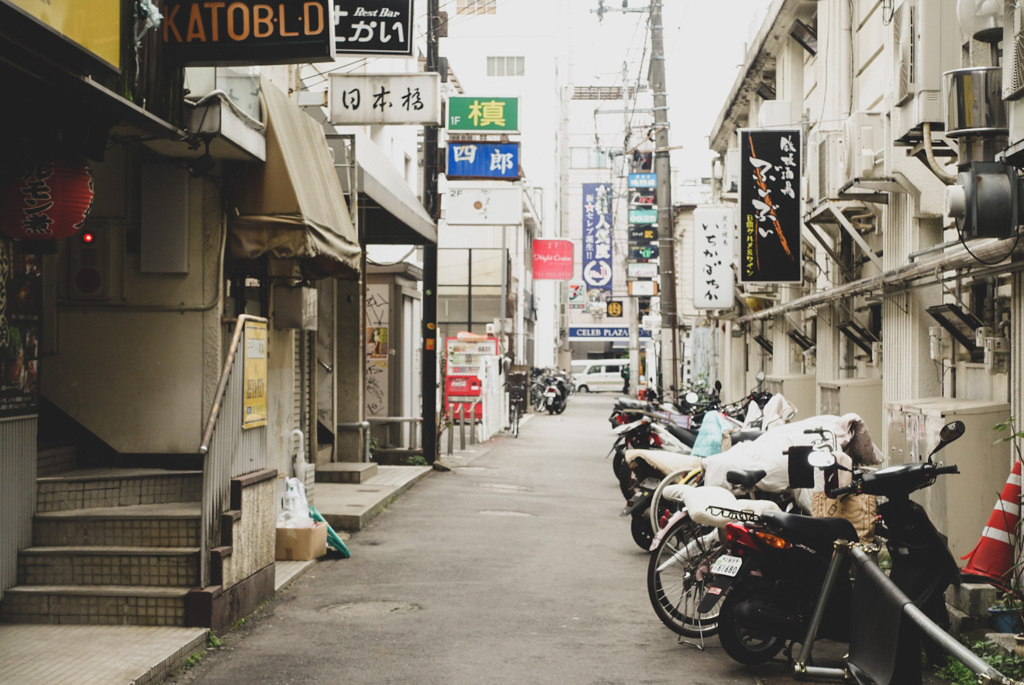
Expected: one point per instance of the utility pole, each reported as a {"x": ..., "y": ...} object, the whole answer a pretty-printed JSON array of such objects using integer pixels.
[
  {"x": 430, "y": 201},
  {"x": 662, "y": 167}
]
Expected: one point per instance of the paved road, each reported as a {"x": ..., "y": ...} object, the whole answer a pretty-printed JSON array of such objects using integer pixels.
[{"x": 515, "y": 568}]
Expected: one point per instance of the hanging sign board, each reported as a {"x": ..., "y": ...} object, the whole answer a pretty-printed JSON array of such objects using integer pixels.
[
  {"x": 641, "y": 271},
  {"x": 479, "y": 206},
  {"x": 713, "y": 279},
  {"x": 597, "y": 240},
  {"x": 483, "y": 160},
  {"x": 615, "y": 309},
  {"x": 643, "y": 253},
  {"x": 375, "y": 99},
  {"x": 241, "y": 32},
  {"x": 643, "y": 288},
  {"x": 93, "y": 25},
  {"x": 373, "y": 27},
  {"x": 643, "y": 216},
  {"x": 642, "y": 180},
  {"x": 769, "y": 205},
  {"x": 643, "y": 234},
  {"x": 552, "y": 260},
  {"x": 577, "y": 295},
  {"x": 483, "y": 115},
  {"x": 642, "y": 197}
]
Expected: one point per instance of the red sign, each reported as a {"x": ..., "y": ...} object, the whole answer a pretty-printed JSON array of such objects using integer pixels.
[{"x": 552, "y": 260}]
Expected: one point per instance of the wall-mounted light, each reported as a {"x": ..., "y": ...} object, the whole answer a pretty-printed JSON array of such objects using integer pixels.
[{"x": 982, "y": 20}]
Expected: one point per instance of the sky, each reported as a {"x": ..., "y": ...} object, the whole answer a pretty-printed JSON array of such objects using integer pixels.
[{"x": 705, "y": 43}]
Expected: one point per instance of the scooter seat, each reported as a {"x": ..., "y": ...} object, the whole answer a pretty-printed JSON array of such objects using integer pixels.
[
  {"x": 664, "y": 461},
  {"x": 623, "y": 403},
  {"x": 818, "y": 533},
  {"x": 685, "y": 436},
  {"x": 745, "y": 479}
]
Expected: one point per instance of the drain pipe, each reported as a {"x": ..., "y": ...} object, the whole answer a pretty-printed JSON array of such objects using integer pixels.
[{"x": 933, "y": 164}]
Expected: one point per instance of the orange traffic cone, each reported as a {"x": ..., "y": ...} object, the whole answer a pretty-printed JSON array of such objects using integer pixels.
[{"x": 993, "y": 556}]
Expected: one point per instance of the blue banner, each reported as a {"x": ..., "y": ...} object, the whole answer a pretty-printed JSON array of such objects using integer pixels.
[
  {"x": 483, "y": 160},
  {"x": 597, "y": 241},
  {"x": 642, "y": 180}
]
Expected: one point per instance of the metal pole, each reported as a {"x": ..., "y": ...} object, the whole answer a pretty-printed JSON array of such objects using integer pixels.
[
  {"x": 663, "y": 169},
  {"x": 451, "y": 430},
  {"x": 430, "y": 202},
  {"x": 462, "y": 426}
]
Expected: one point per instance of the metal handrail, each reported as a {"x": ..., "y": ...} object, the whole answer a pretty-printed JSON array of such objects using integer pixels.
[{"x": 214, "y": 491}]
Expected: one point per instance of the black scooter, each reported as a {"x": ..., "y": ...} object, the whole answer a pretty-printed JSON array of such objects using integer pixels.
[{"x": 777, "y": 563}]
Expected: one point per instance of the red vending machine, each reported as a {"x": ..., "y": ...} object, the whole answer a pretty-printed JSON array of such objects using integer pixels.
[{"x": 462, "y": 385}]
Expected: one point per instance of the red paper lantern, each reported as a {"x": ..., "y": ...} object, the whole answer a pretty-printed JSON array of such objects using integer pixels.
[{"x": 49, "y": 201}]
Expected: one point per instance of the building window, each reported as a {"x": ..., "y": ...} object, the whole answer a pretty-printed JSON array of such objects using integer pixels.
[
  {"x": 589, "y": 158},
  {"x": 506, "y": 66},
  {"x": 477, "y": 6},
  {"x": 468, "y": 289}
]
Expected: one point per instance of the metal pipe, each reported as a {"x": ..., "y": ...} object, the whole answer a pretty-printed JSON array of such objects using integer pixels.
[
  {"x": 451, "y": 430},
  {"x": 819, "y": 608},
  {"x": 363, "y": 427},
  {"x": 472, "y": 423}
]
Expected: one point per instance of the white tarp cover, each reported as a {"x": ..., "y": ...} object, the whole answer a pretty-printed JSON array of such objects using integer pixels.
[{"x": 768, "y": 452}]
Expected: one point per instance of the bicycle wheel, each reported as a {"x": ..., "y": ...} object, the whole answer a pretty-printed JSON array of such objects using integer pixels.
[
  {"x": 678, "y": 577},
  {"x": 515, "y": 421}
]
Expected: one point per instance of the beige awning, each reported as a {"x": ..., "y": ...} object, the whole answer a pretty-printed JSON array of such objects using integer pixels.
[{"x": 293, "y": 206}]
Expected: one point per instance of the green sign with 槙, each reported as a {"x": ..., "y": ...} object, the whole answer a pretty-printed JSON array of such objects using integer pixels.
[{"x": 483, "y": 114}]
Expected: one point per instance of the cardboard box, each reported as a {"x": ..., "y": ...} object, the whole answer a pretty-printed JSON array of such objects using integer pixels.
[{"x": 301, "y": 544}]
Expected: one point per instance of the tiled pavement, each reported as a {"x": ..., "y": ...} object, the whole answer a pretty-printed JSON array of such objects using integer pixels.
[{"x": 140, "y": 655}]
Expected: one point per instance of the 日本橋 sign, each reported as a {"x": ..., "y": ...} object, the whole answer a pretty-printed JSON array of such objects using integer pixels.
[
  {"x": 374, "y": 99},
  {"x": 769, "y": 206}
]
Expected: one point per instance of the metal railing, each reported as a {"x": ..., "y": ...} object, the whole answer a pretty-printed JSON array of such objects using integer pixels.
[
  {"x": 228, "y": 451},
  {"x": 411, "y": 441},
  {"x": 880, "y": 597}
]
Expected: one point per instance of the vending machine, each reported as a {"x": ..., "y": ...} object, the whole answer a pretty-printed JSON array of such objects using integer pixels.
[{"x": 462, "y": 385}]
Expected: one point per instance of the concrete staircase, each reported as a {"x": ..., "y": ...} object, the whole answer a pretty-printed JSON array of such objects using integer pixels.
[{"x": 110, "y": 547}]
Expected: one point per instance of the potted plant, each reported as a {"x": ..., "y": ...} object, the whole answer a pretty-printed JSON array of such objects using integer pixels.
[{"x": 1005, "y": 615}]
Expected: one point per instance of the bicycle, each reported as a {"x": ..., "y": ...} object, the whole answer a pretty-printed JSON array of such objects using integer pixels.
[{"x": 516, "y": 398}]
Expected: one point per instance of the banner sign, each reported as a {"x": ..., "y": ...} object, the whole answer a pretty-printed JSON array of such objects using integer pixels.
[
  {"x": 483, "y": 160},
  {"x": 642, "y": 197},
  {"x": 483, "y": 115},
  {"x": 552, "y": 260},
  {"x": 254, "y": 371},
  {"x": 642, "y": 234},
  {"x": 94, "y": 25},
  {"x": 643, "y": 216},
  {"x": 577, "y": 295},
  {"x": 641, "y": 271},
  {"x": 375, "y": 99},
  {"x": 769, "y": 205},
  {"x": 373, "y": 27},
  {"x": 248, "y": 32},
  {"x": 478, "y": 206},
  {"x": 642, "y": 180},
  {"x": 597, "y": 238},
  {"x": 602, "y": 333},
  {"x": 713, "y": 277},
  {"x": 643, "y": 253}
]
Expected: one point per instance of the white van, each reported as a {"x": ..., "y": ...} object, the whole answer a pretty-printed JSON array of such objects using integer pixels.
[{"x": 596, "y": 375}]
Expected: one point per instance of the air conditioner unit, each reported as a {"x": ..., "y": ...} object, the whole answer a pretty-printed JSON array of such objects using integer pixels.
[
  {"x": 826, "y": 172},
  {"x": 862, "y": 396},
  {"x": 1013, "y": 54},
  {"x": 778, "y": 114},
  {"x": 926, "y": 42},
  {"x": 798, "y": 389},
  {"x": 864, "y": 138}
]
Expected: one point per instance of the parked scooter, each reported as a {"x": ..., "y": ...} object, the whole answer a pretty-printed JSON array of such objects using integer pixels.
[
  {"x": 556, "y": 394},
  {"x": 776, "y": 565}
]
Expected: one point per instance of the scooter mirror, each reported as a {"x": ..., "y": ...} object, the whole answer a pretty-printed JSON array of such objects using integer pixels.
[
  {"x": 760, "y": 376},
  {"x": 951, "y": 431},
  {"x": 691, "y": 397},
  {"x": 718, "y": 386},
  {"x": 820, "y": 459}
]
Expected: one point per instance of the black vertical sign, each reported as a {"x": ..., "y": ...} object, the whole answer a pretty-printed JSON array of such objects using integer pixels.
[{"x": 770, "y": 206}]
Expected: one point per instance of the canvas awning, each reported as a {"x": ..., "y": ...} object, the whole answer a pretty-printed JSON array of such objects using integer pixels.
[
  {"x": 389, "y": 211},
  {"x": 293, "y": 205}
]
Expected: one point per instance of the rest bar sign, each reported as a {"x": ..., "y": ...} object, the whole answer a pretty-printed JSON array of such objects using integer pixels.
[{"x": 247, "y": 32}]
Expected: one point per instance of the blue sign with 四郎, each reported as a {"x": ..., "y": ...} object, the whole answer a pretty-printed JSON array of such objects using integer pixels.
[{"x": 483, "y": 160}]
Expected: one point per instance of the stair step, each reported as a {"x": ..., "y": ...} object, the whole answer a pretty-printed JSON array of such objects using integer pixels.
[
  {"x": 346, "y": 472},
  {"x": 94, "y": 604},
  {"x": 54, "y": 460},
  {"x": 85, "y": 565},
  {"x": 173, "y": 524},
  {"x": 90, "y": 488}
]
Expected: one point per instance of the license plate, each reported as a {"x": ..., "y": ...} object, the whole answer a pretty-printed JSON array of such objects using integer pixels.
[{"x": 727, "y": 565}]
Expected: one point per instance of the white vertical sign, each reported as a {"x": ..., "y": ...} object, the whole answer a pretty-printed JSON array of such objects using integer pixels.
[{"x": 713, "y": 277}]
